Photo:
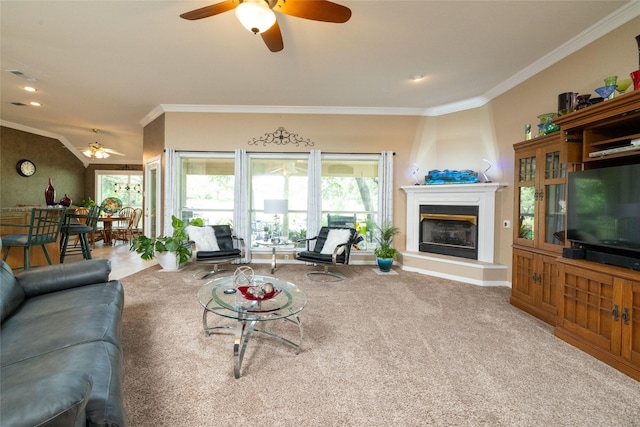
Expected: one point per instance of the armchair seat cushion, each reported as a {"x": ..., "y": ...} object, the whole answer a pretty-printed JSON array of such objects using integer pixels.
[
  {"x": 311, "y": 256},
  {"x": 209, "y": 255}
]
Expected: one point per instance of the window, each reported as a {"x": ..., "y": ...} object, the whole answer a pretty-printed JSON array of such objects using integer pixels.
[
  {"x": 205, "y": 184},
  {"x": 206, "y": 187},
  {"x": 278, "y": 177},
  {"x": 124, "y": 185},
  {"x": 350, "y": 192}
]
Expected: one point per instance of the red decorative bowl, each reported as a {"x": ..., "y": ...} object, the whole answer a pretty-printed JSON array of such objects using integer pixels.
[{"x": 244, "y": 290}]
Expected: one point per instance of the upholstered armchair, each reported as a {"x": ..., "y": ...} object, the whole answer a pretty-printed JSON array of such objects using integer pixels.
[
  {"x": 331, "y": 247},
  {"x": 215, "y": 245}
]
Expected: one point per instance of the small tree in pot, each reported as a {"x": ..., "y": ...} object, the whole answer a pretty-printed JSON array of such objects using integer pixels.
[
  {"x": 177, "y": 244},
  {"x": 385, "y": 253}
]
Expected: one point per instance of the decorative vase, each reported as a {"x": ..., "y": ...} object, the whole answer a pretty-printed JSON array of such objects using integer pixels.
[
  {"x": 168, "y": 261},
  {"x": 50, "y": 194},
  {"x": 384, "y": 264},
  {"x": 635, "y": 76},
  {"x": 638, "y": 41},
  {"x": 65, "y": 201}
]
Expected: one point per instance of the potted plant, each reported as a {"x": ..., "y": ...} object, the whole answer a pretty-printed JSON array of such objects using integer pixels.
[
  {"x": 385, "y": 253},
  {"x": 172, "y": 251}
]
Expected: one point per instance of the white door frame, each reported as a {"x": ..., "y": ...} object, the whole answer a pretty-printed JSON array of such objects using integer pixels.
[{"x": 153, "y": 167}]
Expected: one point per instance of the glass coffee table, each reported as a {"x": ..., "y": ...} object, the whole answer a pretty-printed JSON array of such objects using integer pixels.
[{"x": 221, "y": 298}]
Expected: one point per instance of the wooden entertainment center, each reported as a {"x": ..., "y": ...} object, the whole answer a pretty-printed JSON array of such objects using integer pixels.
[{"x": 593, "y": 306}]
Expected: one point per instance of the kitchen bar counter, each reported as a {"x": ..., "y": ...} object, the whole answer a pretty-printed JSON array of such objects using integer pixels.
[{"x": 22, "y": 215}]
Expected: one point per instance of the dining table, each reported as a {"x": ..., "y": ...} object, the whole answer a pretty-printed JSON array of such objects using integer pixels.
[{"x": 107, "y": 222}]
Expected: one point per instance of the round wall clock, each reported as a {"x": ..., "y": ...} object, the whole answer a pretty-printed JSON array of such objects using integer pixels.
[{"x": 26, "y": 167}]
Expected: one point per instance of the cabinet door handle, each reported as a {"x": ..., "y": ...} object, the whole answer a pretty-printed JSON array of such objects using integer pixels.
[
  {"x": 625, "y": 316},
  {"x": 615, "y": 312}
]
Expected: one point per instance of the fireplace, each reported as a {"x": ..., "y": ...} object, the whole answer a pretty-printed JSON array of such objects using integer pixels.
[
  {"x": 448, "y": 208},
  {"x": 449, "y": 230}
]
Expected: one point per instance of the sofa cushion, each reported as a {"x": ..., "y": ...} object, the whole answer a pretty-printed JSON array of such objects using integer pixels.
[
  {"x": 57, "y": 400},
  {"x": 11, "y": 294},
  {"x": 85, "y": 314},
  {"x": 52, "y": 278},
  {"x": 102, "y": 361}
]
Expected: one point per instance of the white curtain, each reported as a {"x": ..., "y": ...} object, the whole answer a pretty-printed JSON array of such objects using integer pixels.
[
  {"x": 385, "y": 178},
  {"x": 170, "y": 181},
  {"x": 241, "y": 214},
  {"x": 314, "y": 194}
]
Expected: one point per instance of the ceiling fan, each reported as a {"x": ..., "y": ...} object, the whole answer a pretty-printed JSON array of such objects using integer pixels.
[
  {"x": 258, "y": 16},
  {"x": 95, "y": 150}
]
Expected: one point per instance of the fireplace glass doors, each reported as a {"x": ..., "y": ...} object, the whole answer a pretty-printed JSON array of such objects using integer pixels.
[{"x": 449, "y": 230}]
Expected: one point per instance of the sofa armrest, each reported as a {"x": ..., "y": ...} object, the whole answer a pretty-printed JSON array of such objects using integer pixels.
[
  {"x": 55, "y": 400},
  {"x": 58, "y": 277}
]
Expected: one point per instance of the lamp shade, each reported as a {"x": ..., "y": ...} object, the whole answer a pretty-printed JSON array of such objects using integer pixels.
[
  {"x": 255, "y": 15},
  {"x": 276, "y": 206}
]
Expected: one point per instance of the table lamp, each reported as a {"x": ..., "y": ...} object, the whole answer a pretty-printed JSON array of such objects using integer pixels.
[{"x": 275, "y": 207}]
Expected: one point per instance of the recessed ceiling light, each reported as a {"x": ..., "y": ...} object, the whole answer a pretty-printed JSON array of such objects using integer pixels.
[
  {"x": 30, "y": 89},
  {"x": 416, "y": 77},
  {"x": 35, "y": 104}
]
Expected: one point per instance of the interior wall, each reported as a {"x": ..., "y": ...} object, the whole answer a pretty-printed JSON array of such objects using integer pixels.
[
  {"x": 455, "y": 141},
  {"x": 328, "y": 133},
  {"x": 52, "y": 159},
  {"x": 615, "y": 53}
]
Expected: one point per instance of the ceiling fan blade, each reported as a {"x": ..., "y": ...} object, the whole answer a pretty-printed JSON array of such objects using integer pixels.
[
  {"x": 211, "y": 10},
  {"x": 316, "y": 10},
  {"x": 110, "y": 151},
  {"x": 273, "y": 38}
]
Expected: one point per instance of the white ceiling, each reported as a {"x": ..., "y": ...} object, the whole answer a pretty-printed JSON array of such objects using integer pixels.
[{"x": 112, "y": 65}]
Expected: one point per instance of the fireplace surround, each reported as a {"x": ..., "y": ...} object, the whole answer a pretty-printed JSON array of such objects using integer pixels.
[{"x": 479, "y": 269}]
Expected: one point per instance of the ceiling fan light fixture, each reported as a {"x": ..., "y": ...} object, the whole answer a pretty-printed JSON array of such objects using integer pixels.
[
  {"x": 95, "y": 151},
  {"x": 255, "y": 15}
]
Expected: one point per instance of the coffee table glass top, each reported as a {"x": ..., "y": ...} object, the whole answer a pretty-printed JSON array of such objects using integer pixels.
[{"x": 288, "y": 301}]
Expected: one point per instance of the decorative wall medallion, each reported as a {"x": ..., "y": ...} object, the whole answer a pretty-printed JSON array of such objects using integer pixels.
[{"x": 282, "y": 137}]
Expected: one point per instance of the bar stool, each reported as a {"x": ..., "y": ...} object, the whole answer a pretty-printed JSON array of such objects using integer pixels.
[
  {"x": 82, "y": 226},
  {"x": 43, "y": 229}
]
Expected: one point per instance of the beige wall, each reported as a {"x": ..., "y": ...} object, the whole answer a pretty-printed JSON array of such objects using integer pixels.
[
  {"x": 614, "y": 54},
  {"x": 454, "y": 141}
]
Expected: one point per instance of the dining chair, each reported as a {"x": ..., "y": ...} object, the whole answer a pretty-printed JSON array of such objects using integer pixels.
[
  {"x": 43, "y": 229},
  {"x": 82, "y": 225},
  {"x": 122, "y": 229}
]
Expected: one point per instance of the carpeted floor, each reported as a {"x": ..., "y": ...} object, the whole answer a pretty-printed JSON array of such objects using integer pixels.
[{"x": 378, "y": 350}]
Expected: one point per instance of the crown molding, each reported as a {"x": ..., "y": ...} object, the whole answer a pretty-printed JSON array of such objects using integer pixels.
[{"x": 618, "y": 18}]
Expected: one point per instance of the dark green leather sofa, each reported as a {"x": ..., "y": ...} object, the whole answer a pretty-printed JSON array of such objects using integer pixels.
[{"x": 61, "y": 357}]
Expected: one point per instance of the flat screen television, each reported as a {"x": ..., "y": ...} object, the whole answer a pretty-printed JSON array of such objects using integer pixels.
[{"x": 603, "y": 211}]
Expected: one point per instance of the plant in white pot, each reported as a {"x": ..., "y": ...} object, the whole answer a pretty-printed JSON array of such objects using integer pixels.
[
  {"x": 171, "y": 251},
  {"x": 385, "y": 253}
]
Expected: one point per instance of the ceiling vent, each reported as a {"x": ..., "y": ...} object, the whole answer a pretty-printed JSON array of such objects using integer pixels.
[{"x": 23, "y": 75}]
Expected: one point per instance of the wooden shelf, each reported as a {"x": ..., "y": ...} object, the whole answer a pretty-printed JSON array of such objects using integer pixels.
[{"x": 608, "y": 125}]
